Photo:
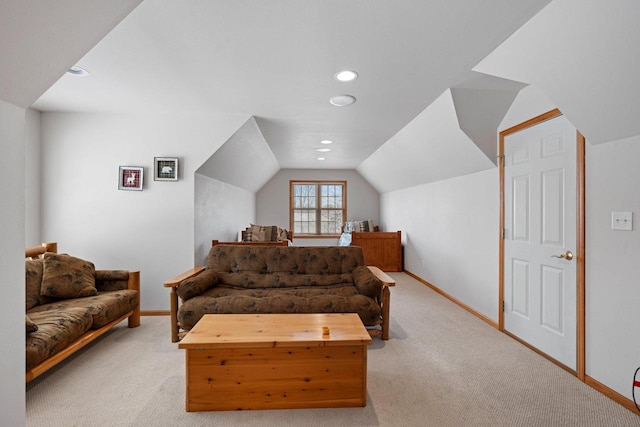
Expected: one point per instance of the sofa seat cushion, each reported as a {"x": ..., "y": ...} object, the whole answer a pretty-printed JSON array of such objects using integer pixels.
[
  {"x": 103, "y": 308},
  {"x": 317, "y": 299},
  {"x": 56, "y": 330}
]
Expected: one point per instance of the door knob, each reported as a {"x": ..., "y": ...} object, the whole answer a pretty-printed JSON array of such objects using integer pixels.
[{"x": 567, "y": 255}]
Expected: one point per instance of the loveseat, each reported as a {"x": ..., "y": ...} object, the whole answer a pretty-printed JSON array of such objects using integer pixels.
[
  {"x": 69, "y": 304},
  {"x": 247, "y": 279}
]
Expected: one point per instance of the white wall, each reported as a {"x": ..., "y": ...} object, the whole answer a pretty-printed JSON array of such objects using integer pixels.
[
  {"x": 221, "y": 210},
  {"x": 451, "y": 227},
  {"x": 272, "y": 201},
  {"x": 150, "y": 230},
  {"x": 450, "y": 235},
  {"x": 12, "y": 296},
  {"x": 32, "y": 178},
  {"x": 612, "y": 264}
]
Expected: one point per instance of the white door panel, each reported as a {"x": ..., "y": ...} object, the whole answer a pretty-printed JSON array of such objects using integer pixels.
[{"x": 540, "y": 212}]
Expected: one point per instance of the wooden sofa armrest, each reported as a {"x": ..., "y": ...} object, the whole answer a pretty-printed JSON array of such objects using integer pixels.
[
  {"x": 134, "y": 285},
  {"x": 34, "y": 252},
  {"x": 385, "y": 298},
  {"x": 173, "y": 283}
]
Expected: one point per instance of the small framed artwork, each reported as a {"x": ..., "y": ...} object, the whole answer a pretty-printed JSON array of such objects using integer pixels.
[
  {"x": 130, "y": 178},
  {"x": 166, "y": 169}
]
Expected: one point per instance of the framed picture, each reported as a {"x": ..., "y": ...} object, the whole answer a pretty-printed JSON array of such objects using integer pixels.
[
  {"x": 165, "y": 169},
  {"x": 130, "y": 178}
]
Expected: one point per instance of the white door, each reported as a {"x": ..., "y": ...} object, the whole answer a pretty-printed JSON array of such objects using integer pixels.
[{"x": 540, "y": 238}]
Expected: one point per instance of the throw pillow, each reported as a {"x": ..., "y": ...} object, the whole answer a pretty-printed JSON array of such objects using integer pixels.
[
  {"x": 65, "y": 276},
  {"x": 263, "y": 233},
  {"x": 30, "y": 325}
]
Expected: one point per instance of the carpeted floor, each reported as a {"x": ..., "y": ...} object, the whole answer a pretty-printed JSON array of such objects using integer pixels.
[{"x": 441, "y": 367}]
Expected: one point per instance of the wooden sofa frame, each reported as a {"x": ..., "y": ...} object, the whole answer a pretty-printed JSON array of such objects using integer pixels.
[
  {"x": 34, "y": 252},
  {"x": 384, "y": 299}
]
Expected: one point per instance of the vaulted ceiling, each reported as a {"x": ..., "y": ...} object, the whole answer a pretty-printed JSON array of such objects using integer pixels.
[{"x": 435, "y": 77}]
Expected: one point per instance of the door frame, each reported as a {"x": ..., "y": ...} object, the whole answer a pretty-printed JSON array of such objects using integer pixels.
[{"x": 580, "y": 241}]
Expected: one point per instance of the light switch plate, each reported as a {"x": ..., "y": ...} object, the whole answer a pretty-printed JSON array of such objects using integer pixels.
[{"x": 622, "y": 221}]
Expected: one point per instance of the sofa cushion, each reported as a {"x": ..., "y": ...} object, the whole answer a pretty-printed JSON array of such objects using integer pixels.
[
  {"x": 366, "y": 282},
  {"x": 56, "y": 330},
  {"x": 194, "y": 286},
  {"x": 102, "y": 308},
  {"x": 223, "y": 300},
  {"x": 293, "y": 259},
  {"x": 30, "y": 325},
  {"x": 33, "y": 282},
  {"x": 281, "y": 279},
  {"x": 65, "y": 276},
  {"x": 112, "y": 280}
]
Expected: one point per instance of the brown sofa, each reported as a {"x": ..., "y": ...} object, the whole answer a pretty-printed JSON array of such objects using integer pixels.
[
  {"x": 281, "y": 279},
  {"x": 69, "y": 304}
]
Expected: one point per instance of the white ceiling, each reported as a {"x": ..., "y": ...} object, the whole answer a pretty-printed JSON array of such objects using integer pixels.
[
  {"x": 275, "y": 60},
  {"x": 40, "y": 41},
  {"x": 584, "y": 56}
]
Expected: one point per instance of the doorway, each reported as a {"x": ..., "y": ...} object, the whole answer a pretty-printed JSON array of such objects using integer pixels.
[{"x": 542, "y": 238}]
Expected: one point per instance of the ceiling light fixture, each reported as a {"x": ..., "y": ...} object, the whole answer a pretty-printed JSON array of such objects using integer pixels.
[
  {"x": 342, "y": 100},
  {"x": 320, "y": 158},
  {"x": 346, "y": 76},
  {"x": 326, "y": 141},
  {"x": 323, "y": 150},
  {"x": 77, "y": 71}
]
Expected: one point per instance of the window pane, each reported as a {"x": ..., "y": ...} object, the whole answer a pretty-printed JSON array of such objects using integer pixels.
[
  {"x": 304, "y": 196},
  {"x": 331, "y": 221},
  {"x": 331, "y": 196},
  {"x": 304, "y": 221}
]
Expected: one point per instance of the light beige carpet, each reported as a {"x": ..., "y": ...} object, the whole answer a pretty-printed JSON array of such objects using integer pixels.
[{"x": 441, "y": 367}]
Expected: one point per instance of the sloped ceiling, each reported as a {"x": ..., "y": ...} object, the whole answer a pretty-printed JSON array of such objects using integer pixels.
[
  {"x": 244, "y": 160},
  {"x": 481, "y": 102},
  {"x": 40, "y": 40},
  {"x": 275, "y": 60},
  {"x": 584, "y": 56},
  {"x": 430, "y": 148}
]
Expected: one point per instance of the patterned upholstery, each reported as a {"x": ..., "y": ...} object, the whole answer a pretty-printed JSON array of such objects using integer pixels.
[
  {"x": 283, "y": 279},
  {"x": 54, "y": 323}
]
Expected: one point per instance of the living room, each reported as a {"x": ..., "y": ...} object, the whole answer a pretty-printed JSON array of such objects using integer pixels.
[{"x": 450, "y": 222}]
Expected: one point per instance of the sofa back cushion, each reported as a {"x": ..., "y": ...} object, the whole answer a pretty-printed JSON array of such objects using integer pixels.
[
  {"x": 281, "y": 279},
  {"x": 33, "y": 283},
  {"x": 64, "y": 276},
  {"x": 306, "y": 260}
]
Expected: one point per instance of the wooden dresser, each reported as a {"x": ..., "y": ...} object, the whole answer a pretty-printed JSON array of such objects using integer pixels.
[{"x": 381, "y": 249}]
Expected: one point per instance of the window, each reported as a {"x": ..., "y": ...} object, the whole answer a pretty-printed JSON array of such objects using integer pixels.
[{"x": 318, "y": 208}]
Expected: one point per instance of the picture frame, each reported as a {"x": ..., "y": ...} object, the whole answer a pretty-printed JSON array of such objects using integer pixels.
[
  {"x": 130, "y": 178},
  {"x": 165, "y": 168}
]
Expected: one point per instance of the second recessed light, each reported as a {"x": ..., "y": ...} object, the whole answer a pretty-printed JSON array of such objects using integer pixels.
[{"x": 342, "y": 100}]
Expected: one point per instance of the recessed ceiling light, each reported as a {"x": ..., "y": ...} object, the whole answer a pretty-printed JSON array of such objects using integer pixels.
[
  {"x": 342, "y": 100},
  {"x": 346, "y": 76},
  {"x": 320, "y": 158},
  {"x": 78, "y": 71},
  {"x": 323, "y": 150},
  {"x": 326, "y": 141}
]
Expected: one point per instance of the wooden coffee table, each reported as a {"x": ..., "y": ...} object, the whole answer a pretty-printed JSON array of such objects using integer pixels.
[{"x": 269, "y": 361}]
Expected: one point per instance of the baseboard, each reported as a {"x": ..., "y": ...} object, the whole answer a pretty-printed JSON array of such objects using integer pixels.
[
  {"x": 454, "y": 300},
  {"x": 611, "y": 394},
  {"x": 154, "y": 313}
]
